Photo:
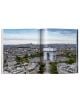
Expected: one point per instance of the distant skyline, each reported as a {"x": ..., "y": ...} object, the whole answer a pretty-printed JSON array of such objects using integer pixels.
[{"x": 49, "y": 36}]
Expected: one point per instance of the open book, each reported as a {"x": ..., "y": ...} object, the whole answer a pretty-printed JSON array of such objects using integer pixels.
[{"x": 40, "y": 51}]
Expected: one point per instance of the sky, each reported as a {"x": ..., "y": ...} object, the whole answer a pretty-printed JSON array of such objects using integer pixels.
[
  {"x": 21, "y": 36},
  {"x": 49, "y": 36},
  {"x": 60, "y": 36}
]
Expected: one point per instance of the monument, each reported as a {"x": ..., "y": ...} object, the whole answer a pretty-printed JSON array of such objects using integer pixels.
[{"x": 49, "y": 54}]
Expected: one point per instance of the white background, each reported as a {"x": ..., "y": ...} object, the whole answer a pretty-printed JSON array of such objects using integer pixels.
[{"x": 39, "y": 14}]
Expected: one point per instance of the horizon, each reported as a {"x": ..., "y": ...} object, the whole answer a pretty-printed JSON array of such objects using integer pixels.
[{"x": 41, "y": 44}]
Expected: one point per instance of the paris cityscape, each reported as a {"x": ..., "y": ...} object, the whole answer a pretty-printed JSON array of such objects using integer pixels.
[{"x": 40, "y": 51}]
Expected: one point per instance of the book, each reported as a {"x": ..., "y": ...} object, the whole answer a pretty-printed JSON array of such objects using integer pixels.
[{"x": 40, "y": 51}]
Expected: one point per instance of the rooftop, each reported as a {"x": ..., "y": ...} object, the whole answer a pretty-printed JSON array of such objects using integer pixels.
[{"x": 49, "y": 49}]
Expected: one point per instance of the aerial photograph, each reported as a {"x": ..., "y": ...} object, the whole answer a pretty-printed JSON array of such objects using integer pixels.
[{"x": 40, "y": 51}]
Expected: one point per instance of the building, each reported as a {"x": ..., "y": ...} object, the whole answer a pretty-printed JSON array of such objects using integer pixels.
[
  {"x": 64, "y": 68},
  {"x": 33, "y": 68},
  {"x": 49, "y": 54}
]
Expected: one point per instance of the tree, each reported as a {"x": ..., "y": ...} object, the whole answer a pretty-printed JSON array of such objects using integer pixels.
[
  {"x": 26, "y": 56},
  {"x": 53, "y": 68},
  {"x": 41, "y": 68},
  {"x": 70, "y": 61},
  {"x": 18, "y": 59}
]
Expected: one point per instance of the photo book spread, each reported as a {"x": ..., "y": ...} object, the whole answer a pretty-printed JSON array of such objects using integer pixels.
[{"x": 39, "y": 51}]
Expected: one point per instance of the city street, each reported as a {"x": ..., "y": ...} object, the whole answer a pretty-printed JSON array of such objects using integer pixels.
[{"x": 47, "y": 68}]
